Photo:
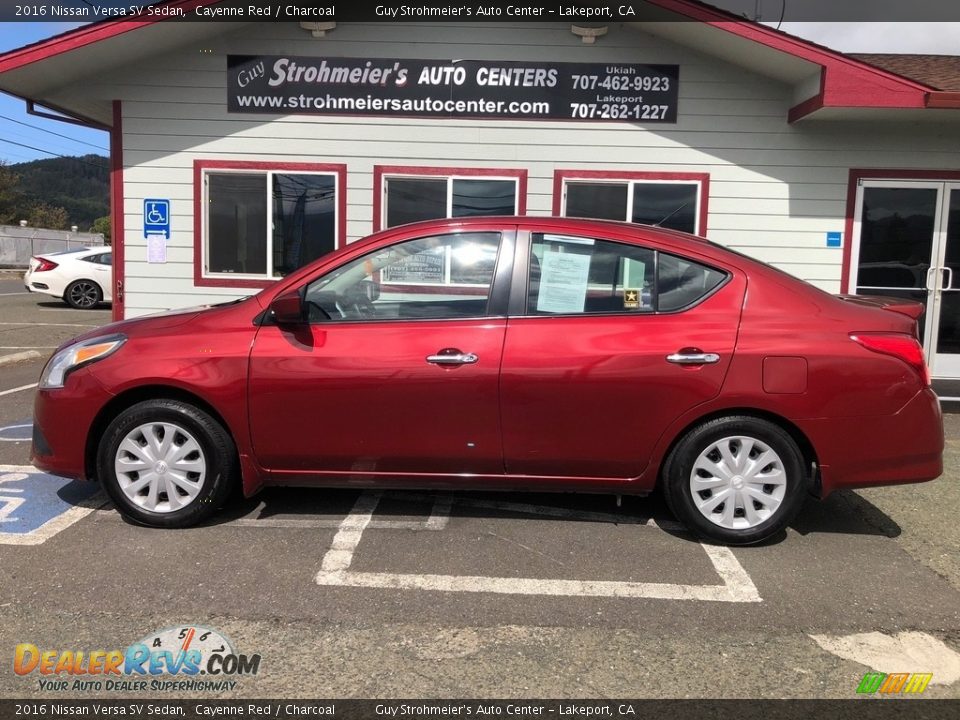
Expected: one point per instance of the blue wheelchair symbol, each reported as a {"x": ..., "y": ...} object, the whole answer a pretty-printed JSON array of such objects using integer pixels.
[{"x": 156, "y": 218}]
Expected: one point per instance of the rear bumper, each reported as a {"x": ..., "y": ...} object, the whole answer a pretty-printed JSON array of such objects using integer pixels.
[
  {"x": 888, "y": 450},
  {"x": 62, "y": 419}
]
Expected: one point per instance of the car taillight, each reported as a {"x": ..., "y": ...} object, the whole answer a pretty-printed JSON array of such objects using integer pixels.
[
  {"x": 44, "y": 265},
  {"x": 904, "y": 347}
]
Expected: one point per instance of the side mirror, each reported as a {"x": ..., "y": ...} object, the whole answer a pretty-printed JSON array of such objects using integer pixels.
[{"x": 287, "y": 308}]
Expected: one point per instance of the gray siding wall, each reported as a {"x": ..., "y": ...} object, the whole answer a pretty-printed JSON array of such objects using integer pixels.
[{"x": 775, "y": 189}]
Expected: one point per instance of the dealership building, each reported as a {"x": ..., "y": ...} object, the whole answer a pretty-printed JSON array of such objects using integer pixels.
[{"x": 242, "y": 150}]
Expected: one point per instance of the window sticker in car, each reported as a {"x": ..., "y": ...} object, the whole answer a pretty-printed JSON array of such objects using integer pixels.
[
  {"x": 631, "y": 299},
  {"x": 563, "y": 282}
]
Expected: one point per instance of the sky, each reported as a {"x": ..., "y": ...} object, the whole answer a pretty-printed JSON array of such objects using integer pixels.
[{"x": 18, "y": 129}]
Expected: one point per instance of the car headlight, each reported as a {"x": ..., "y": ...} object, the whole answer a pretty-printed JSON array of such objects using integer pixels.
[{"x": 76, "y": 356}]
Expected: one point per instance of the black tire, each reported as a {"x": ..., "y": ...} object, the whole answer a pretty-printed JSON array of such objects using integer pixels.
[
  {"x": 83, "y": 294},
  {"x": 216, "y": 450},
  {"x": 679, "y": 467}
]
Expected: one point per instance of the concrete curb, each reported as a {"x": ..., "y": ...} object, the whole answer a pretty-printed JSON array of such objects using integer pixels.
[{"x": 19, "y": 357}]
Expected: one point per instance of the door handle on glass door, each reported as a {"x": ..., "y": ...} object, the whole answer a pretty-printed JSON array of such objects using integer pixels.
[{"x": 948, "y": 277}]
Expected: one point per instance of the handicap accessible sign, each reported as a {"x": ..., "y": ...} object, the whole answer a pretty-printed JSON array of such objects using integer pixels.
[
  {"x": 35, "y": 506},
  {"x": 156, "y": 217}
]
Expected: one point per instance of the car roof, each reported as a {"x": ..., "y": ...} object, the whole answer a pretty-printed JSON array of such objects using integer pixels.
[{"x": 76, "y": 252}]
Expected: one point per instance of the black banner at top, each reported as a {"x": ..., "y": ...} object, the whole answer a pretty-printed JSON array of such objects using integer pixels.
[
  {"x": 283, "y": 85},
  {"x": 770, "y": 11}
]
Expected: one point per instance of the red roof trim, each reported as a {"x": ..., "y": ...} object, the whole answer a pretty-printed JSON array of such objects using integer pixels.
[
  {"x": 944, "y": 100},
  {"x": 846, "y": 81},
  {"x": 89, "y": 34}
]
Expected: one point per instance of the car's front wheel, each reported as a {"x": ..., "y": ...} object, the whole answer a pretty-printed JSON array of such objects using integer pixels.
[
  {"x": 166, "y": 463},
  {"x": 83, "y": 294},
  {"x": 737, "y": 480}
]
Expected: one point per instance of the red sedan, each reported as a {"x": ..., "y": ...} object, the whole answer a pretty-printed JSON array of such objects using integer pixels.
[{"x": 541, "y": 354}]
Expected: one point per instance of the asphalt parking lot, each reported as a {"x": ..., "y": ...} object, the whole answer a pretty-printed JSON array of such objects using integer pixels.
[{"x": 415, "y": 595}]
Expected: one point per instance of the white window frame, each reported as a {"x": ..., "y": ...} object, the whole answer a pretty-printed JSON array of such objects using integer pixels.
[
  {"x": 631, "y": 184},
  {"x": 385, "y": 181},
  {"x": 269, "y": 173}
]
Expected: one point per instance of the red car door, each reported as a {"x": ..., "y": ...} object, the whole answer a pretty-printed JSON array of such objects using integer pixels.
[
  {"x": 615, "y": 342},
  {"x": 397, "y": 370}
]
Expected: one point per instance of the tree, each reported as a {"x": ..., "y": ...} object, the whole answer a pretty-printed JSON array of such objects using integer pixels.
[
  {"x": 102, "y": 225},
  {"x": 47, "y": 216},
  {"x": 8, "y": 195}
]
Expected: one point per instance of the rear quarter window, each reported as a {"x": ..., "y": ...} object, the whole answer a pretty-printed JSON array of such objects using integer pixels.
[{"x": 682, "y": 282}]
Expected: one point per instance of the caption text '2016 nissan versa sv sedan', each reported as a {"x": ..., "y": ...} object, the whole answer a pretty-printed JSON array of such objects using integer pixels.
[{"x": 541, "y": 354}]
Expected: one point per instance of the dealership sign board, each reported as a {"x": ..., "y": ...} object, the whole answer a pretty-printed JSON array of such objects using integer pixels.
[{"x": 281, "y": 85}]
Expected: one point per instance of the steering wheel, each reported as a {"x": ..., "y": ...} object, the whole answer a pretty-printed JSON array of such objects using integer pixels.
[{"x": 361, "y": 307}]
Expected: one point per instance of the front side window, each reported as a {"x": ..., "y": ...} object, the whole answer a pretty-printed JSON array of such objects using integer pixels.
[
  {"x": 266, "y": 224},
  {"x": 409, "y": 198},
  {"x": 431, "y": 278},
  {"x": 669, "y": 204},
  {"x": 575, "y": 275}
]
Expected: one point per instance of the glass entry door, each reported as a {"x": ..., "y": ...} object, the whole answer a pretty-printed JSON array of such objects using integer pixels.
[{"x": 907, "y": 244}]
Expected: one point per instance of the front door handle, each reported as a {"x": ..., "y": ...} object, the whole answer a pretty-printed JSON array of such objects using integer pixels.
[
  {"x": 452, "y": 356},
  {"x": 693, "y": 356}
]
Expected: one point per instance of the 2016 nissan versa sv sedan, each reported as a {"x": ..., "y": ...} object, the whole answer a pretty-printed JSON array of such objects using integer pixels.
[{"x": 496, "y": 353}]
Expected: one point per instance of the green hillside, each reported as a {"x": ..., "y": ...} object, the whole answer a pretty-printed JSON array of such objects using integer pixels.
[{"x": 35, "y": 190}]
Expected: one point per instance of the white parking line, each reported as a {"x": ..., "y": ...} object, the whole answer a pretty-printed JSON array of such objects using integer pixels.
[
  {"x": 18, "y": 389},
  {"x": 335, "y": 568},
  {"x": 439, "y": 517}
]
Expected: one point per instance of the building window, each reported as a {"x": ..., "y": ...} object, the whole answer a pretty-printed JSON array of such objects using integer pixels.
[
  {"x": 677, "y": 201},
  {"x": 409, "y": 194},
  {"x": 259, "y": 223}
]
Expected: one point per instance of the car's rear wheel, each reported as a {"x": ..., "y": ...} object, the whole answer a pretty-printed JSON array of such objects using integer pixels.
[
  {"x": 737, "y": 480},
  {"x": 83, "y": 294},
  {"x": 166, "y": 463}
]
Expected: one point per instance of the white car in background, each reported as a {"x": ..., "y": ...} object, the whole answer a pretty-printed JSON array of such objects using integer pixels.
[{"x": 81, "y": 277}]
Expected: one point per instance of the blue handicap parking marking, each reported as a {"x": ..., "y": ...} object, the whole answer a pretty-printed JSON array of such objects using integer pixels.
[
  {"x": 34, "y": 506},
  {"x": 19, "y": 431}
]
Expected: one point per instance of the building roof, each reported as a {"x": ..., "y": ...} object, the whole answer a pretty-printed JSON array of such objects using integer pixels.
[
  {"x": 826, "y": 83},
  {"x": 938, "y": 71}
]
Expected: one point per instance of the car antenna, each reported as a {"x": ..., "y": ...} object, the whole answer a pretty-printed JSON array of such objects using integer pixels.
[{"x": 667, "y": 217}]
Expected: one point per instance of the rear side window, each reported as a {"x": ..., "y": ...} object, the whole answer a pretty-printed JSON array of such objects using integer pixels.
[
  {"x": 682, "y": 282},
  {"x": 575, "y": 275}
]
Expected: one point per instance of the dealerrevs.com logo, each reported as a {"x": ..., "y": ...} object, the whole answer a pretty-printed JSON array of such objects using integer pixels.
[{"x": 188, "y": 658}]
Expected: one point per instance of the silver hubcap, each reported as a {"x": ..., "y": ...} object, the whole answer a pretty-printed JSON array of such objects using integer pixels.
[
  {"x": 84, "y": 294},
  {"x": 160, "y": 467},
  {"x": 738, "y": 482}
]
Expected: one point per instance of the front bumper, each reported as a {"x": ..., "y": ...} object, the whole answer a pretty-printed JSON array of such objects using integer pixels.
[{"x": 62, "y": 421}]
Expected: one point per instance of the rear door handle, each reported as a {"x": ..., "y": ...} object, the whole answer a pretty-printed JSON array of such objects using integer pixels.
[
  {"x": 693, "y": 357},
  {"x": 452, "y": 356}
]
